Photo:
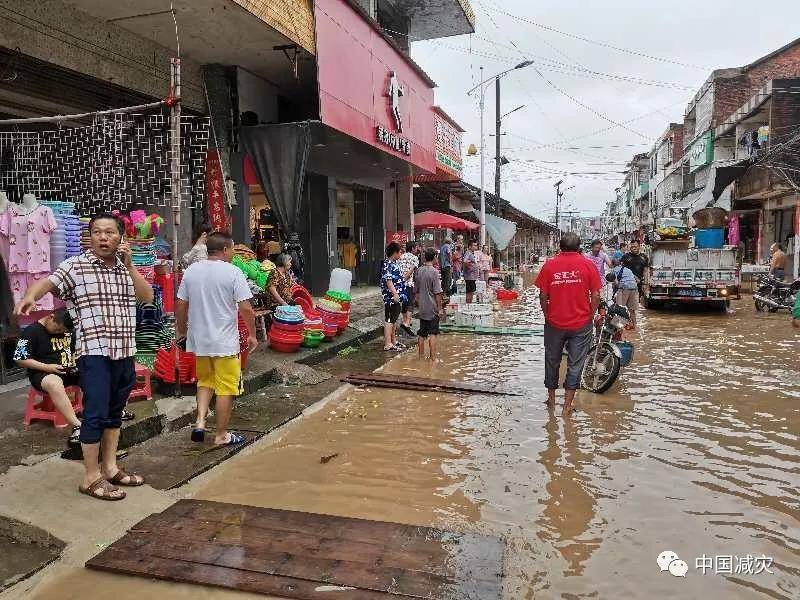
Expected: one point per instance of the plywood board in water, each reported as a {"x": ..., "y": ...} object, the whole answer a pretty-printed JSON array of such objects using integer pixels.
[{"x": 304, "y": 555}]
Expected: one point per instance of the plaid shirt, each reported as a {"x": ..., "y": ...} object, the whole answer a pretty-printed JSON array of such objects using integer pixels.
[{"x": 102, "y": 302}]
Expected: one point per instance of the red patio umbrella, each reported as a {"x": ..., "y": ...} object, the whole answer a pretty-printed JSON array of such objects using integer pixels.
[{"x": 434, "y": 220}]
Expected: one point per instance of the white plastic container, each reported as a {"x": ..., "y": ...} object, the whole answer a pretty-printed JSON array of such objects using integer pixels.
[
  {"x": 341, "y": 279},
  {"x": 480, "y": 286},
  {"x": 458, "y": 299},
  {"x": 461, "y": 286},
  {"x": 475, "y": 314}
]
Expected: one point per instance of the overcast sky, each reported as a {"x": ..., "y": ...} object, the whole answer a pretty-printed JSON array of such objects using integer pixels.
[{"x": 700, "y": 35}]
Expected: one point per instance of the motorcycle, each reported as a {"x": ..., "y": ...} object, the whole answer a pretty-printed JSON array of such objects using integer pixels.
[
  {"x": 773, "y": 294},
  {"x": 610, "y": 352}
]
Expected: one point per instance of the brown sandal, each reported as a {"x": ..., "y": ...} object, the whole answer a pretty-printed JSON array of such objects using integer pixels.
[
  {"x": 133, "y": 479},
  {"x": 107, "y": 489}
]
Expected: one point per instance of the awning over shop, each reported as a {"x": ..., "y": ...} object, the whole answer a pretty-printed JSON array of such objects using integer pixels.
[
  {"x": 433, "y": 220},
  {"x": 720, "y": 177},
  {"x": 279, "y": 154}
]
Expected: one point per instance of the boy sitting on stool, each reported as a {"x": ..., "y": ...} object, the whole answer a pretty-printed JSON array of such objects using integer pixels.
[{"x": 46, "y": 349}]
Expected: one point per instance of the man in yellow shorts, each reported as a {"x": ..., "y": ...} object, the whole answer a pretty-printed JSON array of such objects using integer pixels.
[{"x": 211, "y": 294}]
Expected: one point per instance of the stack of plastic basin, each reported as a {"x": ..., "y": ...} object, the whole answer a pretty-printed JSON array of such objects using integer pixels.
[
  {"x": 331, "y": 317},
  {"x": 164, "y": 367},
  {"x": 286, "y": 331},
  {"x": 343, "y": 300},
  {"x": 302, "y": 298}
]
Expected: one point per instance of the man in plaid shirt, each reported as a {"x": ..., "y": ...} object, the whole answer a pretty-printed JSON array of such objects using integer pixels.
[{"x": 101, "y": 287}]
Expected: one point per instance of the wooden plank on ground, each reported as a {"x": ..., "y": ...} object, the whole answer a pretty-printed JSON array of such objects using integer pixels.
[
  {"x": 421, "y": 383},
  {"x": 304, "y": 555}
]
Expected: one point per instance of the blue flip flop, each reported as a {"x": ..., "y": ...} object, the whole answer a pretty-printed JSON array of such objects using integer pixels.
[
  {"x": 198, "y": 435},
  {"x": 235, "y": 439}
]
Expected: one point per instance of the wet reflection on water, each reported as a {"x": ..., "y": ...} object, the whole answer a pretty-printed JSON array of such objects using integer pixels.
[{"x": 695, "y": 450}]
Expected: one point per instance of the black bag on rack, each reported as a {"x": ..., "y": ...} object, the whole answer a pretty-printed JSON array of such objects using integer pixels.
[{"x": 6, "y": 304}]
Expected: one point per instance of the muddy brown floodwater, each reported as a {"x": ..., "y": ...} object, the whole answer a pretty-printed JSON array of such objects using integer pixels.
[{"x": 695, "y": 451}]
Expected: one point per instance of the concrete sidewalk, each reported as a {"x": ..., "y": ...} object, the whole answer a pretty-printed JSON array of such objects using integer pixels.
[{"x": 21, "y": 446}]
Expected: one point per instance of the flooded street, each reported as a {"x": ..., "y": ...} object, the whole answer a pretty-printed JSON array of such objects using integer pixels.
[{"x": 694, "y": 450}]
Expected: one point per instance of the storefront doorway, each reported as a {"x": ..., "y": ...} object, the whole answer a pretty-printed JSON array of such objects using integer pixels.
[{"x": 359, "y": 227}]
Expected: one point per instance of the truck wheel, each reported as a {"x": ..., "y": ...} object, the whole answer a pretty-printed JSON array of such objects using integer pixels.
[{"x": 649, "y": 303}]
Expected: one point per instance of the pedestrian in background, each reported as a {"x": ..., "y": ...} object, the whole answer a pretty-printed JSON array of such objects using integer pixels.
[
  {"x": 569, "y": 293},
  {"x": 484, "y": 262},
  {"x": 393, "y": 290},
  {"x": 429, "y": 297},
  {"x": 211, "y": 296},
  {"x": 626, "y": 288},
  {"x": 636, "y": 262},
  {"x": 471, "y": 270},
  {"x": 777, "y": 263},
  {"x": 408, "y": 264},
  {"x": 105, "y": 333},
  {"x": 198, "y": 250},
  {"x": 457, "y": 259},
  {"x": 601, "y": 260},
  {"x": 446, "y": 265}
]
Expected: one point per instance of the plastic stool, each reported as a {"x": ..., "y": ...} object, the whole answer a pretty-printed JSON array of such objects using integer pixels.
[
  {"x": 142, "y": 389},
  {"x": 45, "y": 410}
]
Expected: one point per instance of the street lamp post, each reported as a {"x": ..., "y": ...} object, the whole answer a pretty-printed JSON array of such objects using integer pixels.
[{"x": 482, "y": 88}]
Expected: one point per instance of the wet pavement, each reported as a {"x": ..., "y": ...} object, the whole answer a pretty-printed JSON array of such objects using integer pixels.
[{"x": 695, "y": 450}]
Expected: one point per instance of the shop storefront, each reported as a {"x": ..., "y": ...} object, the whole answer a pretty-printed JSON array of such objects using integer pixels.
[
  {"x": 54, "y": 177},
  {"x": 340, "y": 182}
]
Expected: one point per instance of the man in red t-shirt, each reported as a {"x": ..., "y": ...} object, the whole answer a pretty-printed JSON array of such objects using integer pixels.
[{"x": 569, "y": 292}]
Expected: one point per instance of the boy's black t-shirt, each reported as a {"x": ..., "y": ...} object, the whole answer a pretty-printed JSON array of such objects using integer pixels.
[
  {"x": 636, "y": 263},
  {"x": 37, "y": 344}
]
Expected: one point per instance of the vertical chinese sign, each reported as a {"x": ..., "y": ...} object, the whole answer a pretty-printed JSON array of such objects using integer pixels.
[{"x": 215, "y": 192}]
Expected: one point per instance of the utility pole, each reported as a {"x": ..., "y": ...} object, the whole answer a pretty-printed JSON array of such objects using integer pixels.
[
  {"x": 483, "y": 163},
  {"x": 558, "y": 205},
  {"x": 497, "y": 160}
]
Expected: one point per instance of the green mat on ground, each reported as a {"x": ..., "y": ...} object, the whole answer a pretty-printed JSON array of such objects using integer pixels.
[{"x": 487, "y": 330}]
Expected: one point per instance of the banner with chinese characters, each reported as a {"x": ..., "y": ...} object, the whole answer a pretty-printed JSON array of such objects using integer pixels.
[
  {"x": 401, "y": 237},
  {"x": 215, "y": 192}
]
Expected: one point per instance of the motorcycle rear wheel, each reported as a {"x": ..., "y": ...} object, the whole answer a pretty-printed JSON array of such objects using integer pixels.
[
  {"x": 598, "y": 376},
  {"x": 760, "y": 306}
]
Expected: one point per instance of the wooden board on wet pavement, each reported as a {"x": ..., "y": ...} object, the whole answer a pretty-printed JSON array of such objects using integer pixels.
[
  {"x": 405, "y": 382},
  {"x": 305, "y": 556}
]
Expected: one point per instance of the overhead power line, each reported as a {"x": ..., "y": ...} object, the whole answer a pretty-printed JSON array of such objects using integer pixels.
[{"x": 595, "y": 42}]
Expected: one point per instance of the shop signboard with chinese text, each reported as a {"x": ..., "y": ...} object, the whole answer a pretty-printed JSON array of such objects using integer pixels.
[
  {"x": 701, "y": 152},
  {"x": 369, "y": 90},
  {"x": 215, "y": 192},
  {"x": 401, "y": 237},
  {"x": 448, "y": 146}
]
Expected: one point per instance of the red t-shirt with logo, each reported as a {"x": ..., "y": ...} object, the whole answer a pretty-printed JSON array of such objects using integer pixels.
[{"x": 568, "y": 280}]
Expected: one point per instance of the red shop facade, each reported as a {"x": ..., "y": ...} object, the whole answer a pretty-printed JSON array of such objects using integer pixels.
[{"x": 342, "y": 181}]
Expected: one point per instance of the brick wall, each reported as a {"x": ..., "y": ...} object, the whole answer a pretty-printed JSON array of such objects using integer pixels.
[
  {"x": 677, "y": 144},
  {"x": 731, "y": 93},
  {"x": 785, "y": 112},
  {"x": 293, "y": 18}
]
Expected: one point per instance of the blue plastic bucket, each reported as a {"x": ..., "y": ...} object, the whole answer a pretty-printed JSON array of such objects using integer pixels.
[
  {"x": 709, "y": 238},
  {"x": 626, "y": 349}
]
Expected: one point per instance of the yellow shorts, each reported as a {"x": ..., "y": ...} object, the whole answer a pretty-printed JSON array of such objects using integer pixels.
[{"x": 223, "y": 374}]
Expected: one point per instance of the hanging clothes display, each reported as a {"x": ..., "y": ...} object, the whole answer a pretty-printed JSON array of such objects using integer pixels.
[
  {"x": 28, "y": 230},
  {"x": 733, "y": 230}
]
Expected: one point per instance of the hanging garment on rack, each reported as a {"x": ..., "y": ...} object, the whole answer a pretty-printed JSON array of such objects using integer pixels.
[
  {"x": 29, "y": 239},
  {"x": 349, "y": 252}
]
